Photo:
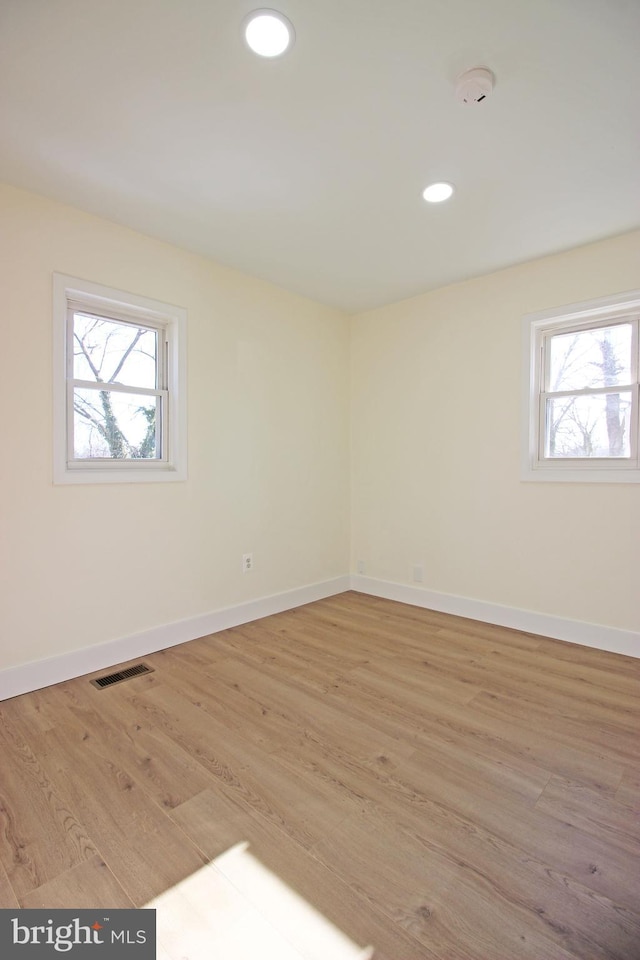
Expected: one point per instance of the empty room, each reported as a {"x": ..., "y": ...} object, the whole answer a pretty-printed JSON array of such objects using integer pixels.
[{"x": 320, "y": 528}]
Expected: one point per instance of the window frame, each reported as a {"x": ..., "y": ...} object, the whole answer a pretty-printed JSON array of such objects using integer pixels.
[
  {"x": 72, "y": 295},
  {"x": 538, "y": 330}
]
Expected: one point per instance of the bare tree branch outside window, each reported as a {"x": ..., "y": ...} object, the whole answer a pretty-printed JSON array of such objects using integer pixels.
[
  {"x": 589, "y": 424},
  {"x": 112, "y": 423}
]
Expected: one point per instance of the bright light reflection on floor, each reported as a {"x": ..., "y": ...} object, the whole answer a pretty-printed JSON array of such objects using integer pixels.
[{"x": 236, "y": 909}]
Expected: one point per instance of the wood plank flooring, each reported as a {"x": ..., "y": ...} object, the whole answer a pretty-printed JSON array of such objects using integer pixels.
[{"x": 431, "y": 787}]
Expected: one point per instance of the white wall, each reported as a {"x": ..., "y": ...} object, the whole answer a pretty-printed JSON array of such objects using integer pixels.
[
  {"x": 268, "y": 446},
  {"x": 436, "y": 421},
  {"x": 435, "y": 445}
]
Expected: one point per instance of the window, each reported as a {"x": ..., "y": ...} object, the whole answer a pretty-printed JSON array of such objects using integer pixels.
[
  {"x": 119, "y": 411},
  {"x": 583, "y": 392}
]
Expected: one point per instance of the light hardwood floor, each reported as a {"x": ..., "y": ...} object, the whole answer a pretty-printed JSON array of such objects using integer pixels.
[{"x": 431, "y": 786}]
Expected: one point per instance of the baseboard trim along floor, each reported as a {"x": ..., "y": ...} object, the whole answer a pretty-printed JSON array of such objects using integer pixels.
[
  {"x": 76, "y": 663},
  {"x": 42, "y": 673},
  {"x": 613, "y": 639}
]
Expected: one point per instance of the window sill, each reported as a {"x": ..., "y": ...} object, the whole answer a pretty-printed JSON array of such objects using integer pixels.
[
  {"x": 78, "y": 475},
  {"x": 580, "y": 475}
]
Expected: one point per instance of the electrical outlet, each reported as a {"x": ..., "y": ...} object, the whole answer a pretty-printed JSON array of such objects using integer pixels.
[
  {"x": 247, "y": 562},
  {"x": 418, "y": 573},
  {"x": 360, "y": 567}
]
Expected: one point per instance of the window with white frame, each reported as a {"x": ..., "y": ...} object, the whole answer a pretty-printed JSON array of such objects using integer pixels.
[
  {"x": 119, "y": 382},
  {"x": 583, "y": 393}
]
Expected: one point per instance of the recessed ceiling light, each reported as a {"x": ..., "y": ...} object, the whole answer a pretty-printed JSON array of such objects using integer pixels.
[
  {"x": 437, "y": 192},
  {"x": 268, "y": 32}
]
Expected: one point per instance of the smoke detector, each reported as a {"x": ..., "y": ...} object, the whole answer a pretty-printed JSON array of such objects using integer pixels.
[{"x": 474, "y": 86}]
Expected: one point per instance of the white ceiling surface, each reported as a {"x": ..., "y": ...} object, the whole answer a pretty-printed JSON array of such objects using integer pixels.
[{"x": 308, "y": 170}]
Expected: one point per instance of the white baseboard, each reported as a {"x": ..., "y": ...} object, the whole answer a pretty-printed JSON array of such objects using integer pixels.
[
  {"x": 613, "y": 639},
  {"x": 42, "y": 673}
]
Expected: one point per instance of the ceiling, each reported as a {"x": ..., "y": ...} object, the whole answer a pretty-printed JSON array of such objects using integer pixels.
[{"x": 308, "y": 170}]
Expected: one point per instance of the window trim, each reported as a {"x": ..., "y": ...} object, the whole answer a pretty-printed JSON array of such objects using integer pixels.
[
  {"x": 69, "y": 293},
  {"x": 575, "y": 316}
]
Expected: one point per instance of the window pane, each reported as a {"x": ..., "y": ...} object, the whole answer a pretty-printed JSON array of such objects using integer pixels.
[
  {"x": 113, "y": 352},
  {"x": 588, "y": 426},
  {"x": 113, "y": 425},
  {"x": 590, "y": 358}
]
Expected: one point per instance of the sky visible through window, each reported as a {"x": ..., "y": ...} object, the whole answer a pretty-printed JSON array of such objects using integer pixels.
[
  {"x": 110, "y": 423},
  {"x": 585, "y": 424}
]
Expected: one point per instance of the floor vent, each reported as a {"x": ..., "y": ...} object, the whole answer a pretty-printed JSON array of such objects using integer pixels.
[{"x": 120, "y": 675}]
